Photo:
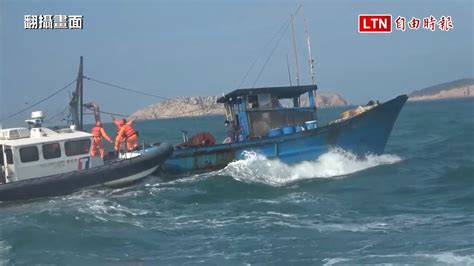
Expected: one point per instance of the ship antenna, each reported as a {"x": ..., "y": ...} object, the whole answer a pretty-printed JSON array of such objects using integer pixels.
[
  {"x": 296, "y": 53},
  {"x": 311, "y": 60}
]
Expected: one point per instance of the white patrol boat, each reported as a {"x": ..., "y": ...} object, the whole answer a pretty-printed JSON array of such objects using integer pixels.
[{"x": 40, "y": 162}]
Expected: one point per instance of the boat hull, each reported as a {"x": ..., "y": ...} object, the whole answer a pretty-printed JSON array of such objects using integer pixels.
[
  {"x": 116, "y": 173},
  {"x": 362, "y": 134}
]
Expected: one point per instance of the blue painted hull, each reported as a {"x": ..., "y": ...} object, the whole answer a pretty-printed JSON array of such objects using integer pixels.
[{"x": 362, "y": 134}]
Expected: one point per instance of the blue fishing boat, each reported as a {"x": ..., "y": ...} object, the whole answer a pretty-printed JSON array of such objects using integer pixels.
[
  {"x": 291, "y": 134},
  {"x": 274, "y": 122}
]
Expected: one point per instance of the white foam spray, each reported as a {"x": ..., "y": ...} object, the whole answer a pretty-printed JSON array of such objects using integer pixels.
[
  {"x": 4, "y": 252},
  {"x": 335, "y": 163}
]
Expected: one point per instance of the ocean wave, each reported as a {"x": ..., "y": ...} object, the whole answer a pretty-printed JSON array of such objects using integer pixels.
[
  {"x": 256, "y": 168},
  {"x": 448, "y": 257},
  {"x": 106, "y": 210},
  {"x": 4, "y": 251}
]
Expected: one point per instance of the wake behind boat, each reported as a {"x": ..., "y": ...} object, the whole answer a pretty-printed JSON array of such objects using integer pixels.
[{"x": 39, "y": 162}]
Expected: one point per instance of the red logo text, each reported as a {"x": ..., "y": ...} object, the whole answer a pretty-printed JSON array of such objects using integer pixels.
[{"x": 375, "y": 23}]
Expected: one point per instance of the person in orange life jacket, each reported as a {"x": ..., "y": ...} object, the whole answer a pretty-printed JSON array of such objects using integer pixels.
[
  {"x": 128, "y": 134},
  {"x": 119, "y": 124},
  {"x": 98, "y": 132}
]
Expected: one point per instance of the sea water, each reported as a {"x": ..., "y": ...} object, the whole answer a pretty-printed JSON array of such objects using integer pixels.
[{"x": 412, "y": 205}]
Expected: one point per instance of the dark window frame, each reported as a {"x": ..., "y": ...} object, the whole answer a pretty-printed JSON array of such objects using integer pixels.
[
  {"x": 253, "y": 102},
  {"x": 31, "y": 151},
  {"x": 50, "y": 155},
  {"x": 81, "y": 149}
]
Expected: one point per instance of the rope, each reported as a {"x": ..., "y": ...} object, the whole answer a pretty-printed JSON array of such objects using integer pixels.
[
  {"x": 142, "y": 93},
  {"x": 284, "y": 25},
  {"x": 270, "y": 56},
  {"x": 258, "y": 56},
  {"x": 57, "y": 115},
  {"x": 39, "y": 102},
  {"x": 127, "y": 89},
  {"x": 281, "y": 30},
  {"x": 109, "y": 113}
]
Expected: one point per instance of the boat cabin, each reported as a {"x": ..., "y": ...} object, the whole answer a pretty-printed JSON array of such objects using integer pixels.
[
  {"x": 258, "y": 111},
  {"x": 38, "y": 151}
]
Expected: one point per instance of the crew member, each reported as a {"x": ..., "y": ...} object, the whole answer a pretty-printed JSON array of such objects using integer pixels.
[
  {"x": 229, "y": 132},
  {"x": 118, "y": 122},
  {"x": 98, "y": 132},
  {"x": 128, "y": 134}
]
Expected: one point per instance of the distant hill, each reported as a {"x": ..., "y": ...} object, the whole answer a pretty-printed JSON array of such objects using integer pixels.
[
  {"x": 206, "y": 105},
  {"x": 325, "y": 100},
  {"x": 454, "y": 89},
  {"x": 181, "y": 107}
]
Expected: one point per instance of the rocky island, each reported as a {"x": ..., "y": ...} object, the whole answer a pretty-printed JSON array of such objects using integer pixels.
[
  {"x": 455, "y": 89},
  {"x": 206, "y": 105}
]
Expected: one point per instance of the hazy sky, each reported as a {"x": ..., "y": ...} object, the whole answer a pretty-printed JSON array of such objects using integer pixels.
[{"x": 179, "y": 48}]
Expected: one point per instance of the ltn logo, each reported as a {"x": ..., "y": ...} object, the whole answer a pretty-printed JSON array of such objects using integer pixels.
[{"x": 375, "y": 23}]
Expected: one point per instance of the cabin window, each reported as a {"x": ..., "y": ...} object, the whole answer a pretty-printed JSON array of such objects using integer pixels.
[
  {"x": 77, "y": 147},
  {"x": 276, "y": 102},
  {"x": 29, "y": 154},
  {"x": 253, "y": 101},
  {"x": 51, "y": 151},
  {"x": 9, "y": 155},
  {"x": 264, "y": 101}
]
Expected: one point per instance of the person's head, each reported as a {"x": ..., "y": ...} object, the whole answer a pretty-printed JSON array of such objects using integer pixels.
[
  {"x": 226, "y": 123},
  {"x": 98, "y": 124},
  {"x": 119, "y": 122},
  {"x": 124, "y": 121}
]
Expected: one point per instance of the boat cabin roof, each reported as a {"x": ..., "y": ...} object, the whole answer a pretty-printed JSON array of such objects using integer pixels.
[
  {"x": 47, "y": 135},
  {"x": 279, "y": 92}
]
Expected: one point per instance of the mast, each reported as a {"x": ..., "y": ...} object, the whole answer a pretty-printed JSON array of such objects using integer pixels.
[
  {"x": 311, "y": 60},
  {"x": 311, "y": 93},
  {"x": 80, "y": 94},
  {"x": 296, "y": 53},
  {"x": 76, "y": 100},
  {"x": 288, "y": 67}
]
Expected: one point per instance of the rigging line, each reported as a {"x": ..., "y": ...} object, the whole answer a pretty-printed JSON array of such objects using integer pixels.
[
  {"x": 109, "y": 113},
  {"x": 40, "y": 101},
  {"x": 287, "y": 24},
  {"x": 142, "y": 93},
  {"x": 269, "y": 57},
  {"x": 57, "y": 115},
  {"x": 127, "y": 89},
  {"x": 123, "y": 115},
  {"x": 265, "y": 47},
  {"x": 296, "y": 53},
  {"x": 181, "y": 114}
]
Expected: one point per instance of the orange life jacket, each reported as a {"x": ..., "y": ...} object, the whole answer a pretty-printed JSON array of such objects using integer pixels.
[
  {"x": 128, "y": 131},
  {"x": 96, "y": 132},
  {"x": 118, "y": 123}
]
